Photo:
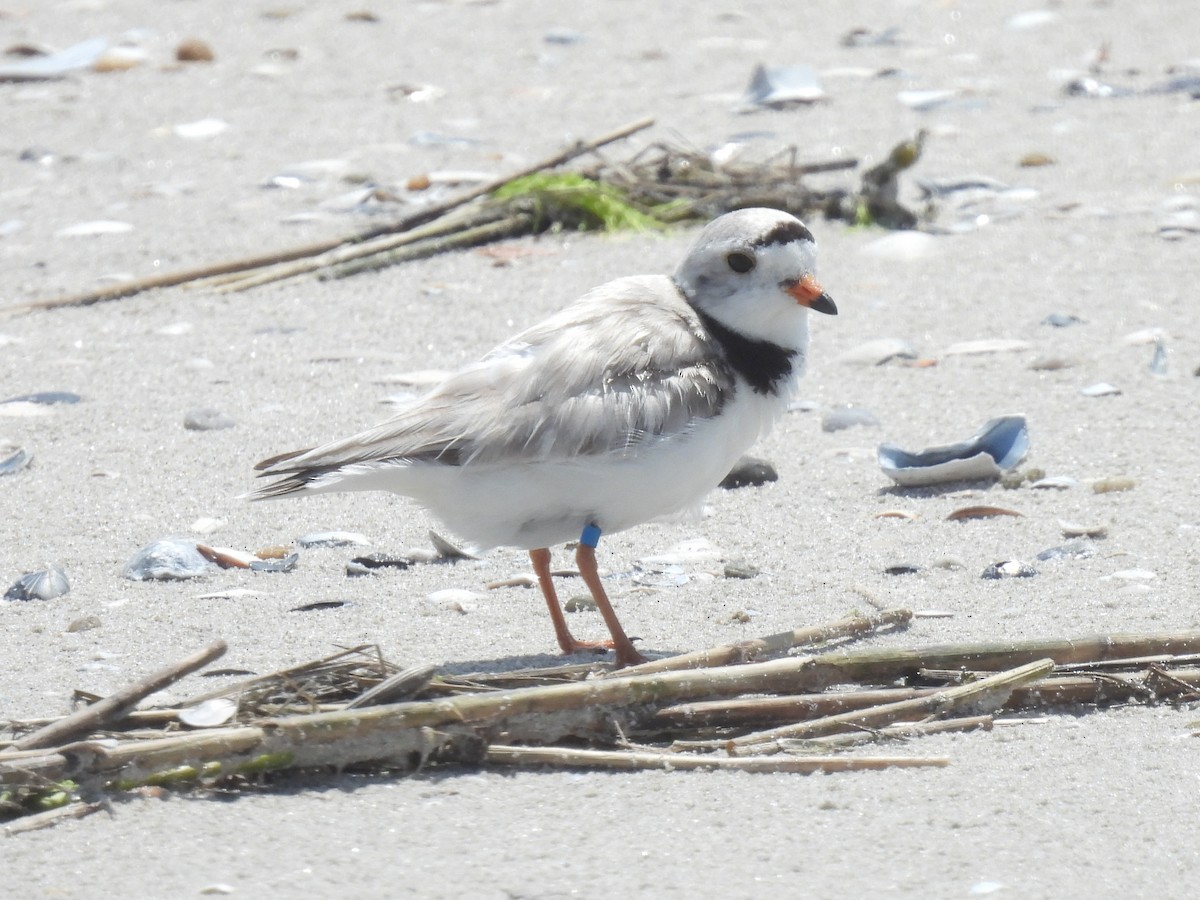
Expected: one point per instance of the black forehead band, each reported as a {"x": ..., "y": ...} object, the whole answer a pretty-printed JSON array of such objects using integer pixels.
[{"x": 785, "y": 233}]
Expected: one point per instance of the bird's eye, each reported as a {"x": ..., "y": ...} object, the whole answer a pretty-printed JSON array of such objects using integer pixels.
[{"x": 740, "y": 262}]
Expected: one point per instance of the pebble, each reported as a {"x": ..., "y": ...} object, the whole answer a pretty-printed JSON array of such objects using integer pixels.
[
  {"x": 1009, "y": 568},
  {"x": 206, "y": 419},
  {"x": 194, "y": 50},
  {"x": 84, "y": 623},
  {"x": 580, "y": 603},
  {"x": 749, "y": 471},
  {"x": 1073, "y": 529},
  {"x": 169, "y": 559},
  {"x": 46, "y": 584},
  {"x": 372, "y": 563},
  {"x": 457, "y": 600},
  {"x": 206, "y": 525},
  {"x": 1100, "y": 389},
  {"x": 1113, "y": 485},
  {"x": 1076, "y": 549},
  {"x": 840, "y": 418},
  {"x": 740, "y": 568}
]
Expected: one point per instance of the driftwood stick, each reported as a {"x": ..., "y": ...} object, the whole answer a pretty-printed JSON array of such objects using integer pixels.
[
  {"x": 898, "y": 732},
  {"x": 51, "y": 817},
  {"x": 986, "y": 694},
  {"x": 771, "y": 644},
  {"x": 420, "y": 217},
  {"x": 622, "y": 759},
  {"x": 97, "y": 715}
]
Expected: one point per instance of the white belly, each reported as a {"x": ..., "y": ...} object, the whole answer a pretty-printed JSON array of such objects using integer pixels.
[{"x": 539, "y": 504}]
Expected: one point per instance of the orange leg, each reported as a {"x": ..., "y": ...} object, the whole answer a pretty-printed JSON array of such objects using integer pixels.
[
  {"x": 626, "y": 655},
  {"x": 585, "y": 558}
]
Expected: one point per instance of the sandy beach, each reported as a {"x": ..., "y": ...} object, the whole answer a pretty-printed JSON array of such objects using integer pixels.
[{"x": 318, "y": 102}]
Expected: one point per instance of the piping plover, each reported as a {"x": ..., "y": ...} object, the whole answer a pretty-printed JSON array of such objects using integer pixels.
[{"x": 628, "y": 405}]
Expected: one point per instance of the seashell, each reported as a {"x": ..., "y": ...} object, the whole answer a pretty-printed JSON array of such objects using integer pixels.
[
  {"x": 206, "y": 419},
  {"x": 877, "y": 352},
  {"x": 1145, "y": 336},
  {"x": 56, "y": 65},
  {"x": 287, "y": 564},
  {"x": 206, "y": 525},
  {"x": 949, "y": 563},
  {"x": 980, "y": 512},
  {"x": 895, "y": 514},
  {"x": 1100, "y": 389},
  {"x": 169, "y": 559},
  {"x": 986, "y": 345},
  {"x": 201, "y": 129},
  {"x": 368, "y": 565},
  {"x": 1113, "y": 485},
  {"x": 447, "y": 550},
  {"x": 1131, "y": 575},
  {"x": 1009, "y": 568},
  {"x": 120, "y": 59},
  {"x": 1158, "y": 363},
  {"x": 46, "y": 398},
  {"x": 15, "y": 461},
  {"x": 999, "y": 445},
  {"x": 1076, "y": 549},
  {"x": 318, "y": 605},
  {"x": 98, "y": 226},
  {"x": 927, "y": 99},
  {"x": 457, "y": 600},
  {"x": 333, "y": 539},
  {"x": 227, "y": 557},
  {"x": 659, "y": 576},
  {"x": 523, "y": 579},
  {"x": 839, "y": 418},
  {"x": 231, "y": 594},
  {"x": 903, "y": 568},
  {"x": 1058, "y": 320},
  {"x": 208, "y": 714},
  {"x": 1073, "y": 529},
  {"x": 1055, "y": 482},
  {"x": 781, "y": 87},
  {"x": 46, "y": 584},
  {"x": 749, "y": 471}
]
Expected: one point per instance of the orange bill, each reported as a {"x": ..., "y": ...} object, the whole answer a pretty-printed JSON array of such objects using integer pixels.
[{"x": 808, "y": 292}]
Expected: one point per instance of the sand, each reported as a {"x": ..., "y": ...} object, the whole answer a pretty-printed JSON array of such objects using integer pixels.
[{"x": 1091, "y": 805}]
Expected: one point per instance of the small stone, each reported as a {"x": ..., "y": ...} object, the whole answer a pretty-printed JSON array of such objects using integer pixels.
[
  {"x": 194, "y": 50},
  {"x": 740, "y": 617},
  {"x": 749, "y": 471},
  {"x": 373, "y": 562},
  {"x": 579, "y": 603},
  {"x": 1076, "y": 549},
  {"x": 205, "y": 419},
  {"x": 1113, "y": 485},
  {"x": 333, "y": 539},
  {"x": 740, "y": 568},
  {"x": 85, "y": 623},
  {"x": 1100, "y": 389}
]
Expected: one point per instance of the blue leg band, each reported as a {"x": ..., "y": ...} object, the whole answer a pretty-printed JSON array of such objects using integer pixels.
[{"x": 590, "y": 536}]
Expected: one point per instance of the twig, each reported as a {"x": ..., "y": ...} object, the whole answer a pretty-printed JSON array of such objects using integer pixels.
[
  {"x": 744, "y": 651},
  {"x": 988, "y": 693},
  {"x": 898, "y": 732},
  {"x": 50, "y": 817},
  {"x": 428, "y": 214},
  {"x": 113, "y": 707},
  {"x": 610, "y": 759}
]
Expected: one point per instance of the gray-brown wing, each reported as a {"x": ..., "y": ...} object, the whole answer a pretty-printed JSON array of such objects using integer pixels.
[{"x": 626, "y": 364}]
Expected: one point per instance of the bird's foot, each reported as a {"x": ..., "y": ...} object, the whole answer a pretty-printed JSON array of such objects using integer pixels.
[{"x": 626, "y": 656}]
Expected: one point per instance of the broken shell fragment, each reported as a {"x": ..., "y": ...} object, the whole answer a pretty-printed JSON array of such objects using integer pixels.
[
  {"x": 1009, "y": 568},
  {"x": 999, "y": 445},
  {"x": 46, "y": 584},
  {"x": 781, "y": 87},
  {"x": 980, "y": 512},
  {"x": 14, "y": 462},
  {"x": 1074, "y": 530},
  {"x": 169, "y": 559},
  {"x": 208, "y": 714},
  {"x": 287, "y": 564}
]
